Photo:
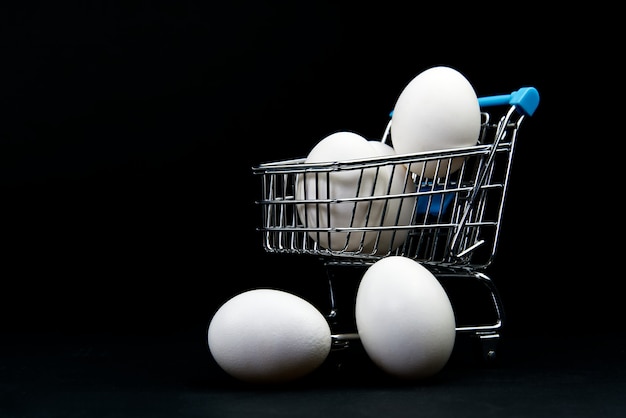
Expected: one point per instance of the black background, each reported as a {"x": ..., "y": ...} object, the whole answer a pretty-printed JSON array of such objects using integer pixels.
[{"x": 129, "y": 129}]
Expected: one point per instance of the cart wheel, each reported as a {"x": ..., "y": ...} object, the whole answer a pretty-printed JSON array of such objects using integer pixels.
[{"x": 488, "y": 343}]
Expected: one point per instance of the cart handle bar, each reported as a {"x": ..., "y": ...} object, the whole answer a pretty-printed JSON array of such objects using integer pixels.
[{"x": 525, "y": 100}]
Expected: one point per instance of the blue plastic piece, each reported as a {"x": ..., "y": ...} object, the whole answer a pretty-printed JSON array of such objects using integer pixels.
[
  {"x": 438, "y": 203},
  {"x": 525, "y": 100}
]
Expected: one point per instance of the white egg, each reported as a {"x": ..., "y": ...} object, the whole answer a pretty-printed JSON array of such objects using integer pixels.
[
  {"x": 342, "y": 146},
  {"x": 398, "y": 211},
  {"x": 437, "y": 110},
  {"x": 268, "y": 336},
  {"x": 404, "y": 318}
]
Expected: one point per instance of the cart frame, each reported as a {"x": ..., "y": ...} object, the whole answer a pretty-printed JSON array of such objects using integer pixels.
[{"x": 450, "y": 222}]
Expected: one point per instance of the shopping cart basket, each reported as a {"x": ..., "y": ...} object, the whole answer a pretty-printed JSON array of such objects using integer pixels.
[{"x": 450, "y": 222}]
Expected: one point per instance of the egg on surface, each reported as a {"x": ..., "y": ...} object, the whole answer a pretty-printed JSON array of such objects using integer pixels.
[
  {"x": 397, "y": 211},
  {"x": 404, "y": 318},
  {"x": 343, "y": 184},
  {"x": 268, "y": 336},
  {"x": 437, "y": 110}
]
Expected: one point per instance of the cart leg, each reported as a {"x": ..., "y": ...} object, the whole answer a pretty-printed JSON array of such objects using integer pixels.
[
  {"x": 342, "y": 285},
  {"x": 331, "y": 317},
  {"x": 489, "y": 338},
  {"x": 485, "y": 334}
]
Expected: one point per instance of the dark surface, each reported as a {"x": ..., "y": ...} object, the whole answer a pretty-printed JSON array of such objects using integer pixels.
[
  {"x": 172, "y": 375},
  {"x": 128, "y": 133}
]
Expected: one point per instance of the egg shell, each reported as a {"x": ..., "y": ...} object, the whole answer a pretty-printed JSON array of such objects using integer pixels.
[
  {"x": 437, "y": 110},
  {"x": 268, "y": 336},
  {"x": 404, "y": 318},
  {"x": 398, "y": 211},
  {"x": 341, "y": 146}
]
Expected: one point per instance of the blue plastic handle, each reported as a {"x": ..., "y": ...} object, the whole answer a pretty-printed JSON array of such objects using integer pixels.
[{"x": 525, "y": 100}]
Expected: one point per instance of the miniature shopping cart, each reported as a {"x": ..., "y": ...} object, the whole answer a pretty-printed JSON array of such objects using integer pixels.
[{"x": 449, "y": 222}]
